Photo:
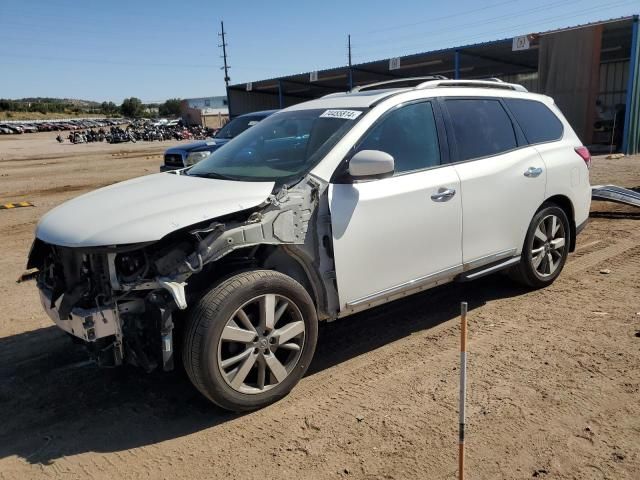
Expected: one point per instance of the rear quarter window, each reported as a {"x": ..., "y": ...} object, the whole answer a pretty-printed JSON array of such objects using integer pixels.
[
  {"x": 538, "y": 123},
  {"x": 481, "y": 127}
]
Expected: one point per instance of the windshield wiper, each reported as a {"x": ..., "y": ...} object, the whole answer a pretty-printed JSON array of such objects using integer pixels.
[{"x": 217, "y": 176}]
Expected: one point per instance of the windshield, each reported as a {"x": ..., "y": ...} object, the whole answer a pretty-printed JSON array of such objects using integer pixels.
[
  {"x": 238, "y": 125},
  {"x": 282, "y": 147}
]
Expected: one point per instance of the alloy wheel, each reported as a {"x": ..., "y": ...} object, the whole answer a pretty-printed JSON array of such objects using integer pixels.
[
  {"x": 549, "y": 243},
  {"x": 261, "y": 344}
]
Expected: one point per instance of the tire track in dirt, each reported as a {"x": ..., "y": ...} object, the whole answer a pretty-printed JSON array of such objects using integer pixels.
[
  {"x": 589, "y": 260},
  {"x": 338, "y": 394},
  {"x": 364, "y": 379},
  {"x": 343, "y": 393},
  {"x": 541, "y": 367}
]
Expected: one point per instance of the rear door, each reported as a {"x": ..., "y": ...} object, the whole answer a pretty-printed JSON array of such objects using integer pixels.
[
  {"x": 392, "y": 234},
  {"x": 502, "y": 178}
]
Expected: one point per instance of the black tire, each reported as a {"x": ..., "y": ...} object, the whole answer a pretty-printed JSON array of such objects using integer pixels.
[
  {"x": 207, "y": 320},
  {"x": 526, "y": 272}
]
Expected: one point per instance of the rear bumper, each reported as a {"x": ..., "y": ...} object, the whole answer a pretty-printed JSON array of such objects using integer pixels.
[{"x": 86, "y": 324}]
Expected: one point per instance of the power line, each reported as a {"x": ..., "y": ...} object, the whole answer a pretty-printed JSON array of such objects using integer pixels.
[
  {"x": 466, "y": 39},
  {"x": 430, "y": 20},
  {"x": 489, "y": 20},
  {"x": 103, "y": 61}
]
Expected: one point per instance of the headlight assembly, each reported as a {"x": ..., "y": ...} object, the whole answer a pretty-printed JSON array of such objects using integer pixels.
[{"x": 195, "y": 157}]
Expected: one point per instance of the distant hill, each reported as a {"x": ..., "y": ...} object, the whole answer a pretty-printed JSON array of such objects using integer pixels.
[
  {"x": 22, "y": 107},
  {"x": 64, "y": 101}
]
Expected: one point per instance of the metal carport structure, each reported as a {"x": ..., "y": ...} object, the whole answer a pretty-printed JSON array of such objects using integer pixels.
[{"x": 615, "y": 72}]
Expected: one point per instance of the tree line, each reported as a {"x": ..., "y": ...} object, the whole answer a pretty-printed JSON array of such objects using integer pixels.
[{"x": 131, "y": 107}]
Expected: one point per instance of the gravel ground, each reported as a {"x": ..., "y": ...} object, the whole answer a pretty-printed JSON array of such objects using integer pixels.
[{"x": 553, "y": 391}]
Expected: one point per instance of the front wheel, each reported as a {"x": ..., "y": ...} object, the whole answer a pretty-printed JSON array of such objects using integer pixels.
[
  {"x": 250, "y": 339},
  {"x": 545, "y": 249}
]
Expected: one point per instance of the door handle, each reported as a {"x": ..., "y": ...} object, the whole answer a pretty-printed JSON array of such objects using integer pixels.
[
  {"x": 443, "y": 195},
  {"x": 533, "y": 172}
]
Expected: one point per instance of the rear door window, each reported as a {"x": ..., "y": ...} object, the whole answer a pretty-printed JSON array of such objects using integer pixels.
[
  {"x": 481, "y": 127},
  {"x": 409, "y": 135},
  {"x": 538, "y": 123}
]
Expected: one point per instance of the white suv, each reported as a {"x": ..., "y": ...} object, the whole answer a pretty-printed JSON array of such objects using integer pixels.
[{"x": 324, "y": 209}]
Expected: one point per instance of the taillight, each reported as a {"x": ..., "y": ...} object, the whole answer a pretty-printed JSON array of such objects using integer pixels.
[{"x": 584, "y": 154}]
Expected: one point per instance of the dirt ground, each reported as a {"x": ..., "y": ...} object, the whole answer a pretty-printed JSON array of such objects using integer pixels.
[{"x": 553, "y": 389}]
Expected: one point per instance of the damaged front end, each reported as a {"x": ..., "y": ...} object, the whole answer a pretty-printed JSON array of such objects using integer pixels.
[
  {"x": 121, "y": 301},
  {"x": 107, "y": 298}
]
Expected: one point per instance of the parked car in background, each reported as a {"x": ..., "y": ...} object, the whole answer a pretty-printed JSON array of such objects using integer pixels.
[
  {"x": 28, "y": 128},
  {"x": 57, "y": 125},
  {"x": 192, "y": 153},
  {"x": 12, "y": 127},
  {"x": 324, "y": 209}
]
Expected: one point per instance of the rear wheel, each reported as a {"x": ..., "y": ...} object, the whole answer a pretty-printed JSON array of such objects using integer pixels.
[
  {"x": 250, "y": 339},
  {"x": 545, "y": 248}
]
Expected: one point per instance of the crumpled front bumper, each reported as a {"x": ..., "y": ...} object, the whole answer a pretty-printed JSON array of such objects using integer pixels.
[{"x": 86, "y": 324}]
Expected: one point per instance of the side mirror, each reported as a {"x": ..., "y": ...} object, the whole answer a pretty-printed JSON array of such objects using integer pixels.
[{"x": 369, "y": 164}]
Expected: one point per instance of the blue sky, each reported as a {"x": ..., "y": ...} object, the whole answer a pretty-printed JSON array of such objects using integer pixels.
[{"x": 158, "y": 49}]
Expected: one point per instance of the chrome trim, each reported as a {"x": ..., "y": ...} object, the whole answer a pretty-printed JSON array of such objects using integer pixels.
[
  {"x": 492, "y": 269},
  {"x": 533, "y": 172},
  {"x": 411, "y": 284},
  {"x": 494, "y": 257},
  {"x": 471, "y": 84},
  {"x": 443, "y": 194},
  {"x": 423, "y": 283}
]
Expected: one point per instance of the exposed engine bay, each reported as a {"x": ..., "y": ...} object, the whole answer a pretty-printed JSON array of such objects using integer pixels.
[{"x": 121, "y": 301}]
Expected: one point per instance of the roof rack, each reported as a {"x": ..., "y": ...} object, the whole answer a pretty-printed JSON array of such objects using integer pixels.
[
  {"x": 490, "y": 83},
  {"x": 398, "y": 83}
]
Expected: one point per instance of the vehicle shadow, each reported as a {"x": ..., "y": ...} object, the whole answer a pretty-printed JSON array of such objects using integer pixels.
[
  {"x": 54, "y": 403},
  {"x": 612, "y": 214}
]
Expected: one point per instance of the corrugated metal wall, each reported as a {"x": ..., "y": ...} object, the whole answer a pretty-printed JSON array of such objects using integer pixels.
[
  {"x": 613, "y": 83},
  {"x": 631, "y": 136},
  {"x": 527, "y": 80},
  {"x": 246, "y": 102}
]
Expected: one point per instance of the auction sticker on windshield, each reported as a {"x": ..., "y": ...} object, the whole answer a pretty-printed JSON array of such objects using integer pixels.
[{"x": 345, "y": 114}]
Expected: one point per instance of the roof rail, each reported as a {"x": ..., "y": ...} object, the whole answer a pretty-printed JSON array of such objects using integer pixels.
[
  {"x": 398, "y": 83},
  {"x": 491, "y": 83},
  {"x": 334, "y": 94}
]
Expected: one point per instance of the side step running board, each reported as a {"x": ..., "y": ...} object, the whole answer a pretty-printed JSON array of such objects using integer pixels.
[
  {"x": 488, "y": 270},
  {"x": 613, "y": 193}
]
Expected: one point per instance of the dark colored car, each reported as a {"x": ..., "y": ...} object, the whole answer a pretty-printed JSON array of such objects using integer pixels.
[{"x": 191, "y": 153}]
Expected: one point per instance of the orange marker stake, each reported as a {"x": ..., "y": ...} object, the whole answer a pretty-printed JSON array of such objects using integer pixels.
[{"x": 463, "y": 386}]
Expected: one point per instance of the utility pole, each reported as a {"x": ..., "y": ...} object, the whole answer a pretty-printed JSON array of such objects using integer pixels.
[
  {"x": 226, "y": 67},
  {"x": 224, "y": 55},
  {"x": 350, "y": 73}
]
